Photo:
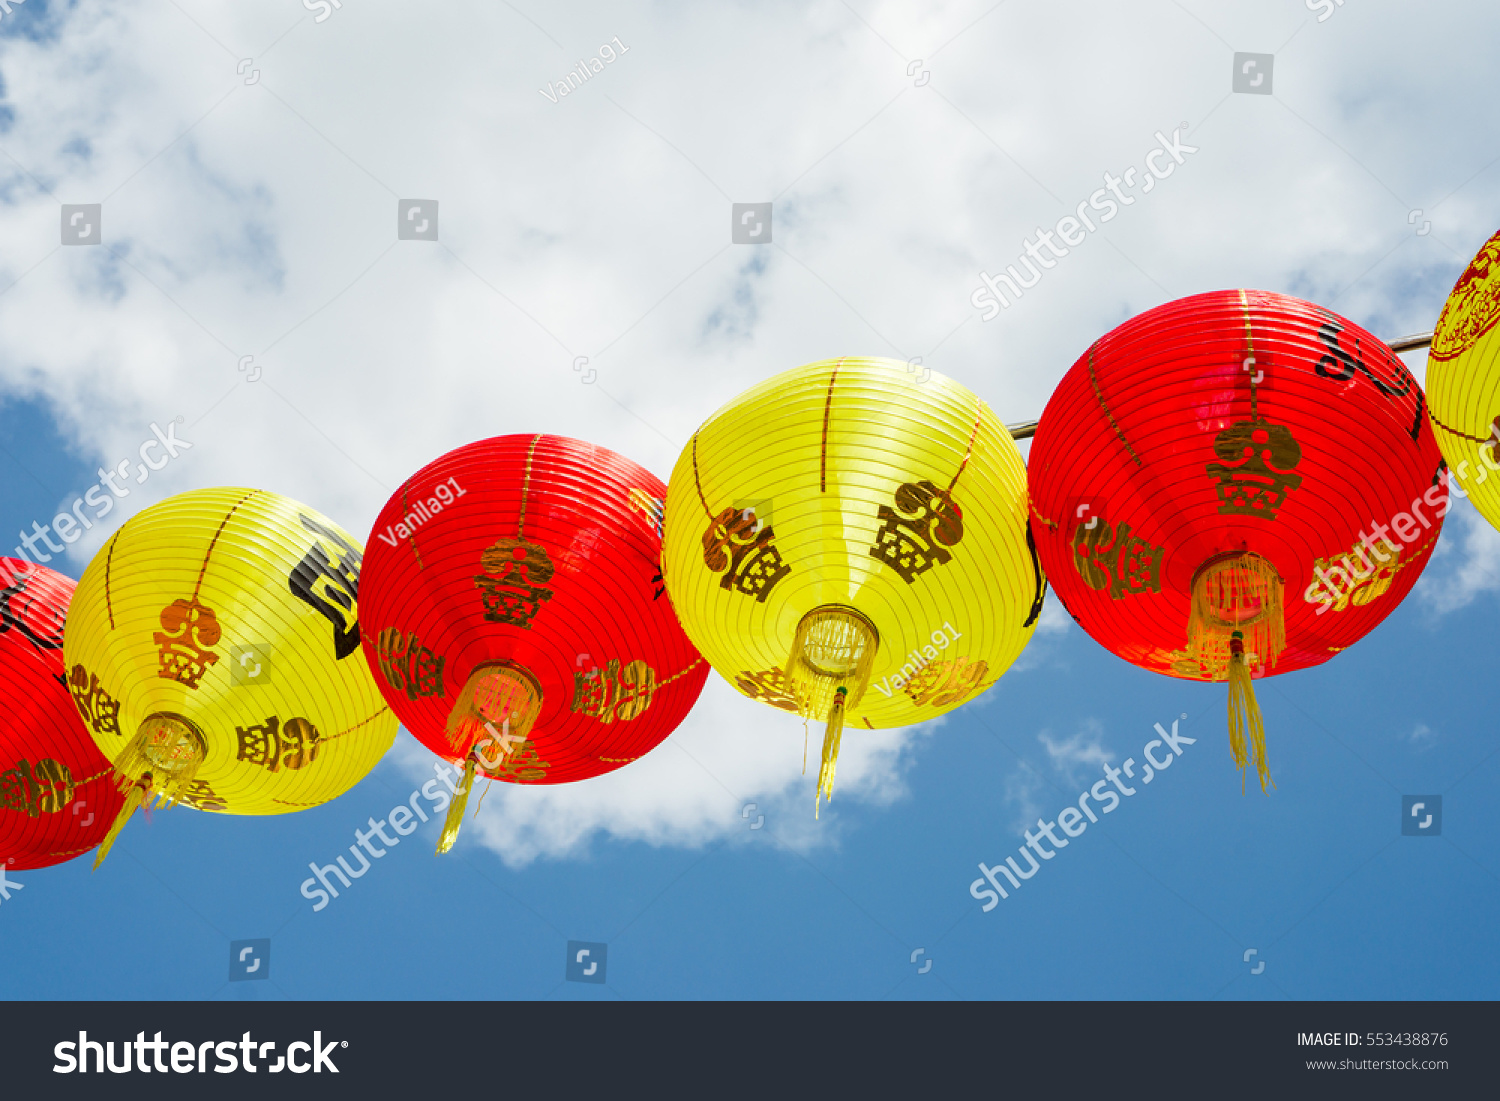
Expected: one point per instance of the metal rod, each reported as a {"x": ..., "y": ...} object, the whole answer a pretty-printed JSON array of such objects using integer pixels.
[
  {"x": 1025, "y": 430},
  {"x": 1412, "y": 343}
]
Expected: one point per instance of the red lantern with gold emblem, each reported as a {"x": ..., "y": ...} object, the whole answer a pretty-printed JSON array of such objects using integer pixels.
[
  {"x": 514, "y": 615},
  {"x": 57, "y": 795},
  {"x": 1233, "y": 485}
]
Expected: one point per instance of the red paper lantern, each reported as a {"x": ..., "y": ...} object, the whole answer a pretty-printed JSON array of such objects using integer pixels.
[
  {"x": 57, "y": 795},
  {"x": 1235, "y": 483},
  {"x": 513, "y": 612}
]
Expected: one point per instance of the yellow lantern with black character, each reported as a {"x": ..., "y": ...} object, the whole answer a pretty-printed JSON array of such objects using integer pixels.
[{"x": 213, "y": 650}]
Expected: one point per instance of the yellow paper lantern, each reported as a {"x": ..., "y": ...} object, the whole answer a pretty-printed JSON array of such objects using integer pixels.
[
  {"x": 849, "y": 542},
  {"x": 213, "y": 648},
  {"x": 1463, "y": 382}
]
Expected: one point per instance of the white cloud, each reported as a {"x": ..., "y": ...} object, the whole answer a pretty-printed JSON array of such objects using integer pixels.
[
  {"x": 1465, "y": 565},
  {"x": 1054, "y": 619},
  {"x": 1084, "y": 749},
  {"x": 258, "y": 220},
  {"x": 1028, "y": 789}
]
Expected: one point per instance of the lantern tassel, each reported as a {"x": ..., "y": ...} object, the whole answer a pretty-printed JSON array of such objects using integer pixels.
[
  {"x": 139, "y": 792},
  {"x": 494, "y": 692},
  {"x": 1237, "y": 593},
  {"x": 455, "y": 817},
  {"x": 832, "y": 734},
  {"x": 160, "y": 760},
  {"x": 828, "y": 670},
  {"x": 1237, "y": 620},
  {"x": 1244, "y": 717}
]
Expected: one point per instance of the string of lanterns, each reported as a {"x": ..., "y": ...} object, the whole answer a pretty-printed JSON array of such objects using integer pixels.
[{"x": 842, "y": 541}]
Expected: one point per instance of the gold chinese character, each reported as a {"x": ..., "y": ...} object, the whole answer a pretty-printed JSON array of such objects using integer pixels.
[
  {"x": 749, "y": 560},
  {"x": 201, "y": 796},
  {"x": 190, "y": 630},
  {"x": 946, "y": 682},
  {"x": 616, "y": 692},
  {"x": 1108, "y": 555},
  {"x": 409, "y": 666},
  {"x": 1259, "y": 481},
  {"x": 16, "y": 789},
  {"x": 46, "y": 789},
  {"x": 272, "y": 745},
  {"x": 1347, "y": 584},
  {"x": 98, "y": 708},
  {"x": 521, "y": 767},
  {"x": 511, "y": 586},
  {"x": 768, "y": 686},
  {"x": 913, "y": 536}
]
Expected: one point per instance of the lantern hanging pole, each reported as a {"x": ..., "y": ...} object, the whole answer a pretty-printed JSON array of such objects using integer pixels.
[
  {"x": 1412, "y": 343},
  {"x": 1024, "y": 430}
]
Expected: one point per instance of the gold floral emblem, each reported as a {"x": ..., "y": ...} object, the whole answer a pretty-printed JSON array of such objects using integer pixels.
[
  {"x": 511, "y": 587},
  {"x": 1254, "y": 474},
  {"x": 1472, "y": 308},
  {"x": 916, "y": 534},
  {"x": 747, "y": 558},
  {"x": 614, "y": 692},
  {"x": 1107, "y": 556},
  {"x": 190, "y": 630}
]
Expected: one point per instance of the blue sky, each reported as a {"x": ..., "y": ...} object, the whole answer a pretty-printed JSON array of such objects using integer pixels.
[{"x": 585, "y": 284}]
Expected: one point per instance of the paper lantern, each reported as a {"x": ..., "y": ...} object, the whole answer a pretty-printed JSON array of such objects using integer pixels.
[
  {"x": 849, "y": 542},
  {"x": 1235, "y": 484},
  {"x": 213, "y": 649},
  {"x": 57, "y": 792},
  {"x": 1463, "y": 381},
  {"x": 514, "y": 612}
]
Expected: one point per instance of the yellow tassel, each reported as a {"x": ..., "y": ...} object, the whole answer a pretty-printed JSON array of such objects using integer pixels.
[
  {"x": 495, "y": 693},
  {"x": 160, "y": 760},
  {"x": 1244, "y": 718},
  {"x": 455, "y": 817},
  {"x": 832, "y": 734},
  {"x": 828, "y": 671},
  {"x": 1237, "y": 621},
  {"x": 139, "y": 792},
  {"x": 1236, "y": 592}
]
